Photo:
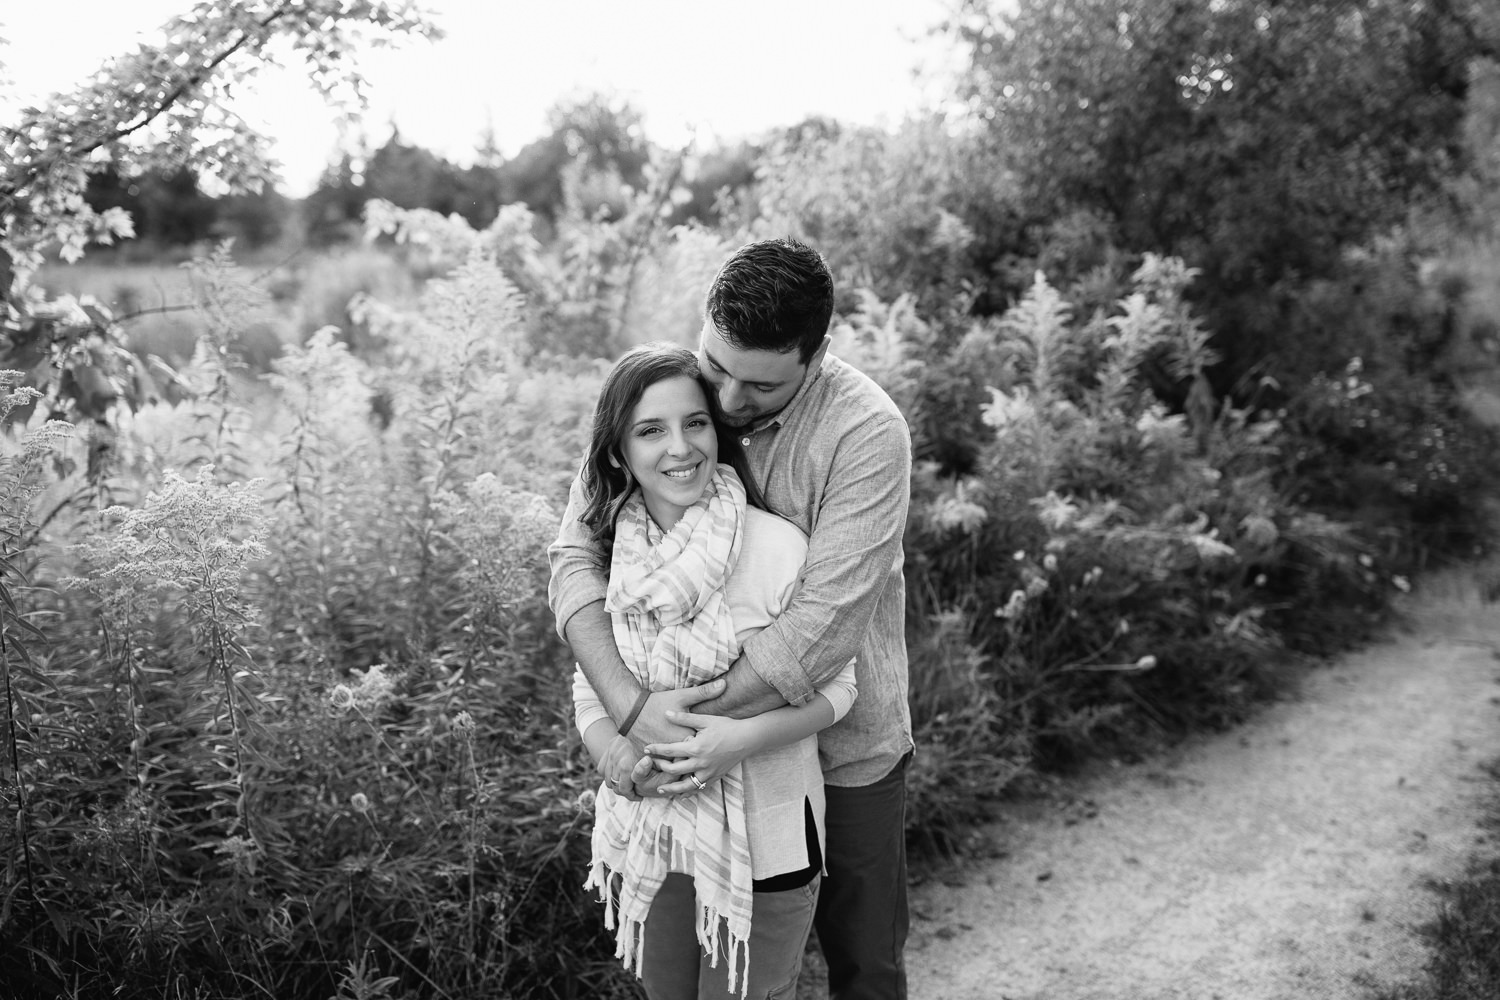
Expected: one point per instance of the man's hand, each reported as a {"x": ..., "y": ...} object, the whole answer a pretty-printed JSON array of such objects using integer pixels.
[
  {"x": 653, "y": 726},
  {"x": 744, "y": 696},
  {"x": 622, "y": 760}
]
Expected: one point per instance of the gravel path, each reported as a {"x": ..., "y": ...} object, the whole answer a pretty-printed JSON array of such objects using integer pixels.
[{"x": 1288, "y": 859}]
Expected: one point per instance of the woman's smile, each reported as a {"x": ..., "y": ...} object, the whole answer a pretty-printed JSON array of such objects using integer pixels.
[{"x": 671, "y": 448}]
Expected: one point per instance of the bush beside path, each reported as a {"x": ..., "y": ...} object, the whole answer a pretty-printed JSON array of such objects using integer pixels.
[{"x": 1293, "y": 857}]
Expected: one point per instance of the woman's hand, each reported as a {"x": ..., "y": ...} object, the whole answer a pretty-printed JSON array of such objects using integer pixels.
[{"x": 717, "y": 744}]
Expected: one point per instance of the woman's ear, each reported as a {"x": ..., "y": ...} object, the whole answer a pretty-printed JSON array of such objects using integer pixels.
[{"x": 614, "y": 461}]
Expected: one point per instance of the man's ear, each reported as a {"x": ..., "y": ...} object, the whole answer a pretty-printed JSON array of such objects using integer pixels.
[{"x": 816, "y": 361}]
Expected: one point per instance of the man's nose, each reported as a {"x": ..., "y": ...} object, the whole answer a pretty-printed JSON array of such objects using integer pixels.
[{"x": 731, "y": 396}]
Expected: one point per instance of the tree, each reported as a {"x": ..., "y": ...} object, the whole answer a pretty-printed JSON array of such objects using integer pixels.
[
  {"x": 166, "y": 208},
  {"x": 719, "y": 173},
  {"x": 605, "y": 135},
  {"x": 332, "y": 212},
  {"x": 902, "y": 212},
  {"x": 162, "y": 107},
  {"x": 1256, "y": 139},
  {"x": 412, "y": 177}
]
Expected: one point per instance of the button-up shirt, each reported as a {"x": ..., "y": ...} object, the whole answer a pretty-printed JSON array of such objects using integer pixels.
[{"x": 836, "y": 461}]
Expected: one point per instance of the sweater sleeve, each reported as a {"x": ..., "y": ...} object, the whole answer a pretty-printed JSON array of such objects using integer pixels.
[
  {"x": 840, "y": 690},
  {"x": 587, "y": 708}
]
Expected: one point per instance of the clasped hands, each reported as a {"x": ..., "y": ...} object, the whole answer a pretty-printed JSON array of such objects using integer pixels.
[{"x": 673, "y": 751}]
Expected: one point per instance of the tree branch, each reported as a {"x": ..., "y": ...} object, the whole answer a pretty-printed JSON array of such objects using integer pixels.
[{"x": 197, "y": 77}]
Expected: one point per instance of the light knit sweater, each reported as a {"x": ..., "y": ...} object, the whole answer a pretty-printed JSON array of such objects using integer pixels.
[{"x": 776, "y": 781}]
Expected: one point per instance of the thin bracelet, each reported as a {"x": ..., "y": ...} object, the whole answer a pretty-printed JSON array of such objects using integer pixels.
[{"x": 635, "y": 712}]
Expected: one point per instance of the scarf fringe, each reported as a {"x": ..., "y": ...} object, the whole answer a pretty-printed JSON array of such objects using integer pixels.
[
  {"x": 710, "y": 926},
  {"x": 711, "y": 931}
]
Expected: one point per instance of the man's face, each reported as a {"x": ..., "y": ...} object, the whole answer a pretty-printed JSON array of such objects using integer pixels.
[{"x": 750, "y": 384}]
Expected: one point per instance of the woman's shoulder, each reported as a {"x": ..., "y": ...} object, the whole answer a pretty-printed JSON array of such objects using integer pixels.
[
  {"x": 773, "y": 533},
  {"x": 772, "y": 551}
]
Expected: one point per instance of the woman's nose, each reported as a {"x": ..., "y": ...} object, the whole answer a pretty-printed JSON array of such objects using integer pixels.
[{"x": 677, "y": 443}]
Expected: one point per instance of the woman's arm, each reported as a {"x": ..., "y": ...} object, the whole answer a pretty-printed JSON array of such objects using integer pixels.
[
  {"x": 720, "y": 742},
  {"x": 618, "y": 761}
]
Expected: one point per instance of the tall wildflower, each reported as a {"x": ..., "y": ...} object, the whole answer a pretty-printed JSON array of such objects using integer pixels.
[
  {"x": 187, "y": 548},
  {"x": 464, "y": 346},
  {"x": 329, "y": 499},
  {"x": 502, "y": 535},
  {"x": 1039, "y": 324},
  {"x": 227, "y": 301},
  {"x": 326, "y": 392},
  {"x": 20, "y": 481}
]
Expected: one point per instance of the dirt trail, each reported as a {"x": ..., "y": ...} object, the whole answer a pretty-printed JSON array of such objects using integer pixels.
[{"x": 1288, "y": 859}]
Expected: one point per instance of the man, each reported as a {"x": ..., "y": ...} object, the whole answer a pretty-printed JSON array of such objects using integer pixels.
[{"x": 832, "y": 453}]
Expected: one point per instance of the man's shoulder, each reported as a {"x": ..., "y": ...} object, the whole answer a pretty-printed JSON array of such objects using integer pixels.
[{"x": 851, "y": 393}]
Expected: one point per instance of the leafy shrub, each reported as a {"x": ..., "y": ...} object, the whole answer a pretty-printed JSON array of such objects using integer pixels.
[
  {"x": 911, "y": 212},
  {"x": 323, "y": 288},
  {"x": 1106, "y": 573},
  {"x": 1398, "y": 455},
  {"x": 352, "y": 765}
]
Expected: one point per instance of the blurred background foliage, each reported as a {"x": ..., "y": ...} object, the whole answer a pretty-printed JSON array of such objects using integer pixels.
[{"x": 1194, "y": 310}]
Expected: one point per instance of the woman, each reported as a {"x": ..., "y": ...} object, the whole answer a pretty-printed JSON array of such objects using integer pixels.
[{"x": 728, "y": 869}]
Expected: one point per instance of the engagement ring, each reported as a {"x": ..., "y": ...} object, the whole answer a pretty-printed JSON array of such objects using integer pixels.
[{"x": 700, "y": 784}]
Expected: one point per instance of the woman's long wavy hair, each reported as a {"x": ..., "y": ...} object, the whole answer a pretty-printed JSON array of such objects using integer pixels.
[{"x": 606, "y": 479}]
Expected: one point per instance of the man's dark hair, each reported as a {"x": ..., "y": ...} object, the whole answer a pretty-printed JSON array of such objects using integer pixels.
[{"x": 774, "y": 295}]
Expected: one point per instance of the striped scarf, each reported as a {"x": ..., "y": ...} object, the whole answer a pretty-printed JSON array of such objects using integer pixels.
[{"x": 673, "y": 628}]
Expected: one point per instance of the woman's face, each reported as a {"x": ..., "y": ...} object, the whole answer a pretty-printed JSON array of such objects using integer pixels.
[{"x": 670, "y": 447}]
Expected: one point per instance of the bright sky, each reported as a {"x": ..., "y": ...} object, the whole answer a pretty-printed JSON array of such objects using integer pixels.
[{"x": 717, "y": 70}]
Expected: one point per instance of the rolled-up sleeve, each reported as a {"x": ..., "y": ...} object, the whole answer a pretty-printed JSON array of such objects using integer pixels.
[
  {"x": 576, "y": 560},
  {"x": 854, "y": 550}
]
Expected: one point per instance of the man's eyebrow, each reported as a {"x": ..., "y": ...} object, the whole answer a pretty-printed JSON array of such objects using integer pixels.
[{"x": 715, "y": 362}]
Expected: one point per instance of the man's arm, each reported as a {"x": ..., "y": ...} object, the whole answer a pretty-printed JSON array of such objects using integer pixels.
[
  {"x": 720, "y": 743},
  {"x": 576, "y": 594},
  {"x": 592, "y": 639},
  {"x": 854, "y": 546}
]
